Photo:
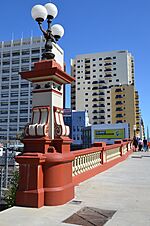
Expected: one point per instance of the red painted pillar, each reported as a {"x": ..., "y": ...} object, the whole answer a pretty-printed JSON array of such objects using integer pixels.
[
  {"x": 30, "y": 192},
  {"x": 58, "y": 185}
]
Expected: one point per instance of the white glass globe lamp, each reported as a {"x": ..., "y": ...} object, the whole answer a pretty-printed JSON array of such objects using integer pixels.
[
  {"x": 57, "y": 31},
  {"x": 52, "y": 10},
  {"x": 39, "y": 13}
]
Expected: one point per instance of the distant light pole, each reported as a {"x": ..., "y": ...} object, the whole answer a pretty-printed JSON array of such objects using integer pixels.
[
  {"x": 53, "y": 33},
  {"x": 134, "y": 130}
]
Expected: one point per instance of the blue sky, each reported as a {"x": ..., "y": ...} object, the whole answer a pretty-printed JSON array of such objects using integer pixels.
[{"x": 90, "y": 27}]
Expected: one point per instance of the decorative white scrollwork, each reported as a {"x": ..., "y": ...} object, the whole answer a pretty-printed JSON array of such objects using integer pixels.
[{"x": 58, "y": 130}]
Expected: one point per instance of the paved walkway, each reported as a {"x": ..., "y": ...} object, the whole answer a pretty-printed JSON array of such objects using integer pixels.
[{"x": 124, "y": 188}]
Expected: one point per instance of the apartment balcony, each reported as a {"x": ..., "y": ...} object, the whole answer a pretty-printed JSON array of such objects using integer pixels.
[
  {"x": 87, "y": 66},
  {"x": 87, "y": 61},
  {"x": 102, "y": 105},
  {"x": 98, "y": 106},
  {"x": 119, "y": 102},
  {"x": 95, "y": 112},
  {"x": 119, "y": 109},
  {"x": 101, "y": 99},
  {"x": 95, "y": 88},
  {"x": 103, "y": 87},
  {"x": 87, "y": 78},
  {"x": 119, "y": 116},
  {"x": 95, "y": 82},
  {"x": 101, "y": 117},
  {"x": 118, "y": 96},
  {"x": 107, "y": 58},
  {"x": 87, "y": 72},
  {"x": 95, "y": 99},
  {"x": 102, "y": 111},
  {"x": 95, "y": 106},
  {"x": 101, "y": 93},
  {"x": 118, "y": 90},
  {"x": 108, "y": 76},
  {"x": 95, "y": 94},
  {"x": 107, "y": 69},
  {"x": 101, "y": 81},
  {"x": 107, "y": 64},
  {"x": 119, "y": 121},
  {"x": 95, "y": 117}
]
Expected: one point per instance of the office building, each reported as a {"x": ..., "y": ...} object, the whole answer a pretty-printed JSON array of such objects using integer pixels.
[{"x": 16, "y": 93}]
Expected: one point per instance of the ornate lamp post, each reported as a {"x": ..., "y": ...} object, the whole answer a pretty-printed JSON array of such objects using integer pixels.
[
  {"x": 45, "y": 166},
  {"x": 53, "y": 33}
]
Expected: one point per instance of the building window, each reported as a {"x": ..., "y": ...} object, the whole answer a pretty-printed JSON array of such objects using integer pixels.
[
  {"x": 6, "y": 54},
  {"x": 24, "y": 85},
  {"x": 25, "y": 52},
  {"x": 3, "y": 95},
  {"x": 114, "y": 57},
  {"x": 5, "y": 87},
  {"x": 117, "y": 80},
  {"x": 35, "y": 51},
  {"x": 16, "y": 53},
  {"x": 100, "y": 58}
]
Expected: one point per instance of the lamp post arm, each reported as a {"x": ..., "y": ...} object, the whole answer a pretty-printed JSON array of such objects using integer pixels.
[{"x": 41, "y": 28}]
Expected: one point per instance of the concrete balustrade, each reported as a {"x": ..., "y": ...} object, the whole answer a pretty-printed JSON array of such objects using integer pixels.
[{"x": 91, "y": 161}]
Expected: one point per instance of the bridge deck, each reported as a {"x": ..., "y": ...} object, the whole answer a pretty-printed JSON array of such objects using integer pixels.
[{"x": 124, "y": 188}]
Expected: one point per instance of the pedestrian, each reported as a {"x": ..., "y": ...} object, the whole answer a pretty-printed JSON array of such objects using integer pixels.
[
  {"x": 135, "y": 143},
  {"x": 140, "y": 145},
  {"x": 145, "y": 147}
]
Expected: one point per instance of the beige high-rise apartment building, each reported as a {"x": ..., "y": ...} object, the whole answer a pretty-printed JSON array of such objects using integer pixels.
[
  {"x": 125, "y": 105},
  {"x": 97, "y": 76}
]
